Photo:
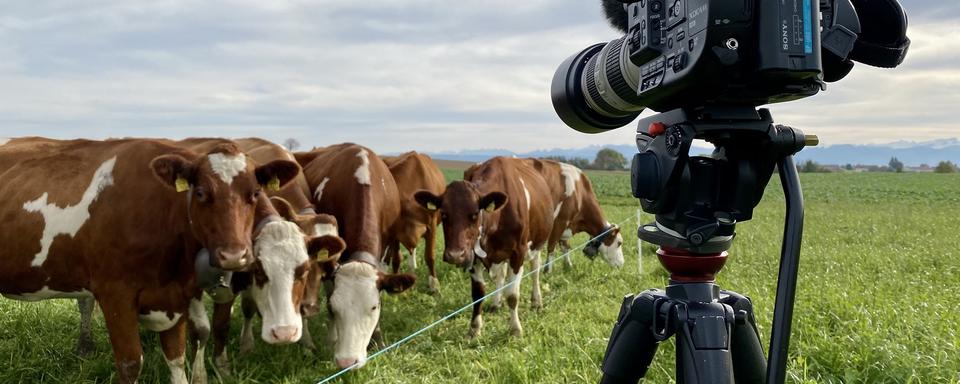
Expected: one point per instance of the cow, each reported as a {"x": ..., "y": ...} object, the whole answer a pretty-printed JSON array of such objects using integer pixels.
[
  {"x": 414, "y": 172},
  {"x": 577, "y": 210},
  {"x": 123, "y": 221},
  {"x": 354, "y": 185},
  {"x": 293, "y": 203},
  {"x": 497, "y": 217}
]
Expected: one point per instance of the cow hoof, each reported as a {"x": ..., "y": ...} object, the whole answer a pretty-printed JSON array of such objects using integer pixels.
[
  {"x": 548, "y": 268},
  {"x": 246, "y": 347},
  {"x": 473, "y": 334},
  {"x": 223, "y": 367},
  {"x": 536, "y": 305},
  {"x": 434, "y": 286},
  {"x": 516, "y": 333},
  {"x": 198, "y": 378},
  {"x": 86, "y": 348}
]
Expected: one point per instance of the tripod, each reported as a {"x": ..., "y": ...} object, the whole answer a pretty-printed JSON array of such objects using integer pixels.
[{"x": 697, "y": 202}]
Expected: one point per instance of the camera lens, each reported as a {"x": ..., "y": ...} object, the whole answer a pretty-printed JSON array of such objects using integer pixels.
[{"x": 594, "y": 90}]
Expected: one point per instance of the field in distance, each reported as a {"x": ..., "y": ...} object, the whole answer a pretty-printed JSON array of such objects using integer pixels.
[{"x": 876, "y": 303}]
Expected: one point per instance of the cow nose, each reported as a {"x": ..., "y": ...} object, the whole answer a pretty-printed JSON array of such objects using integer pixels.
[
  {"x": 453, "y": 256},
  {"x": 232, "y": 259},
  {"x": 346, "y": 363},
  {"x": 284, "y": 334}
]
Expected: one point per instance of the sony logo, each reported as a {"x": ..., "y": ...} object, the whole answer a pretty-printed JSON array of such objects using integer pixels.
[{"x": 784, "y": 38}]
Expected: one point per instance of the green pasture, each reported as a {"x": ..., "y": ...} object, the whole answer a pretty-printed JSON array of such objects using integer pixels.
[{"x": 877, "y": 302}]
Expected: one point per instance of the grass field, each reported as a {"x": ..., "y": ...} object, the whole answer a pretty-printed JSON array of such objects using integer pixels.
[{"x": 877, "y": 302}]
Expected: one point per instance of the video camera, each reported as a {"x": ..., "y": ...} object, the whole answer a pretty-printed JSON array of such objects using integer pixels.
[{"x": 688, "y": 53}]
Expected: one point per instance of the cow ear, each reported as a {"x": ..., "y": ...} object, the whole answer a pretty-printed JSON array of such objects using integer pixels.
[
  {"x": 284, "y": 208},
  {"x": 428, "y": 200},
  {"x": 174, "y": 171},
  {"x": 325, "y": 248},
  {"x": 396, "y": 283},
  {"x": 277, "y": 173},
  {"x": 304, "y": 158},
  {"x": 493, "y": 201}
]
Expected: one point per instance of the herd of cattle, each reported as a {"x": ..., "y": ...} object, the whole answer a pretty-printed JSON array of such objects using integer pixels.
[{"x": 145, "y": 227}]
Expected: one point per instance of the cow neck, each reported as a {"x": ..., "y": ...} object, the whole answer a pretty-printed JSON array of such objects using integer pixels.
[
  {"x": 362, "y": 227},
  {"x": 265, "y": 214},
  {"x": 363, "y": 257}
]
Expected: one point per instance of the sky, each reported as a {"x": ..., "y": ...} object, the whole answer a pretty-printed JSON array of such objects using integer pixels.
[{"x": 394, "y": 75}]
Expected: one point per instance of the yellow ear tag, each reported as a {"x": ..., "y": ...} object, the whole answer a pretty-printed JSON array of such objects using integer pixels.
[
  {"x": 491, "y": 207},
  {"x": 182, "y": 185},
  {"x": 323, "y": 255},
  {"x": 431, "y": 206},
  {"x": 274, "y": 184}
]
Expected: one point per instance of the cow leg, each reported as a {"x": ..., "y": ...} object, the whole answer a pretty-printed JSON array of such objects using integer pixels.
[
  {"x": 478, "y": 291},
  {"x": 393, "y": 255},
  {"x": 200, "y": 332},
  {"x": 429, "y": 256},
  {"x": 174, "y": 344},
  {"x": 515, "y": 274},
  {"x": 123, "y": 326},
  {"x": 412, "y": 261},
  {"x": 85, "y": 346},
  {"x": 536, "y": 299},
  {"x": 306, "y": 340},
  {"x": 221, "y": 333},
  {"x": 498, "y": 272},
  {"x": 565, "y": 248},
  {"x": 246, "y": 333},
  {"x": 332, "y": 335}
]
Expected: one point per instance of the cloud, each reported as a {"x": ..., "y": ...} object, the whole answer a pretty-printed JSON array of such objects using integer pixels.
[{"x": 391, "y": 74}]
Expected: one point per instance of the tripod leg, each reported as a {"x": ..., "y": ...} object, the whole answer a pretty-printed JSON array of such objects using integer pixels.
[
  {"x": 632, "y": 343},
  {"x": 703, "y": 343},
  {"x": 749, "y": 364}
]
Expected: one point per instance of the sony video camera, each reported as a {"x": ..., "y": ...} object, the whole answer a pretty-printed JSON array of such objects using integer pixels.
[{"x": 690, "y": 53}]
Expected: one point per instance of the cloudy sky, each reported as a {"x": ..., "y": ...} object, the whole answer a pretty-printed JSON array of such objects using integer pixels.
[{"x": 390, "y": 74}]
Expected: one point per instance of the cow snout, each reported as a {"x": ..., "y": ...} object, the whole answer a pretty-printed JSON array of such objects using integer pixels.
[
  {"x": 346, "y": 363},
  {"x": 309, "y": 310},
  {"x": 284, "y": 334},
  {"x": 454, "y": 256},
  {"x": 234, "y": 258}
]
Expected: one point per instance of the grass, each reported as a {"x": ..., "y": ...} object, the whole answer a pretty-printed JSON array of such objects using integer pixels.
[{"x": 876, "y": 303}]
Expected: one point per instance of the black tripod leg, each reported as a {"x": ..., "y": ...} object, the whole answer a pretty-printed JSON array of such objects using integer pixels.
[
  {"x": 632, "y": 343},
  {"x": 703, "y": 343},
  {"x": 749, "y": 363}
]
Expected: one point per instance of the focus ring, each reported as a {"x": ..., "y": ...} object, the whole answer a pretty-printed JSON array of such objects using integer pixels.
[
  {"x": 593, "y": 93},
  {"x": 615, "y": 72}
]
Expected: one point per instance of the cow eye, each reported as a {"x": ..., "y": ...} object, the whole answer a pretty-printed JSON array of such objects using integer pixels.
[
  {"x": 374, "y": 308},
  {"x": 256, "y": 195},
  {"x": 201, "y": 194}
]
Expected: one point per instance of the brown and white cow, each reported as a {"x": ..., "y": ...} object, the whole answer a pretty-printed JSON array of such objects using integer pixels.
[
  {"x": 498, "y": 216},
  {"x": 577, "y": 210},
  {"x": 415, "y": 172},
  {"x": 123, "y": 221},
  {"x": 293, "y": 203},
  {"x": 353, "y": 184}
]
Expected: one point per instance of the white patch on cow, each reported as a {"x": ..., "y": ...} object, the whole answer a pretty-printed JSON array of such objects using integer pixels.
[
  {"x": 363, "y": 171},
  {"x": 514, "y": 278},
  {"x": 159, "y": 321},
  {"x": 526, "y": 192},
  {"x": 556, "y": 212},
  {"x": 498, "y": 272},
  {"x": 178, "y": 373},
  {"x": 324, "y": 230},
  {"x": 567, "y": 234},
  {"x": 613, "y": 254},
  {"x": 226, "y": 167},
  {"x": 68, "y": 220},
  {"x": 318, "y": 193},
  {"x": 47, "y": 293},
  {"x": 355, "y": 303},
  {"x": 571, "y": 175},
  {"x": 280, "y": 250},
  {"x": 4, "y": 141}
]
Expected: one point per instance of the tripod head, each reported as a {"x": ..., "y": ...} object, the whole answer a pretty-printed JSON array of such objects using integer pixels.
[{"x": 698, "y": 200}]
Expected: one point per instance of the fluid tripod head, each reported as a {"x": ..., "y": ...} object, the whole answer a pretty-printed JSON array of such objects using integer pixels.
[{"x": 698, "y": 200}]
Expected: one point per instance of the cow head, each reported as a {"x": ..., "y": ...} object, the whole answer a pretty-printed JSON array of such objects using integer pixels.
[
  {"x": 354, "y": 305},
  {"x": 223, "y": 188},
  {"x": 462, "y": 208},
  {"x": 611, "y": 247},
  {"x": 314, "y": 225},
  {"x": 280, "y": 276}
]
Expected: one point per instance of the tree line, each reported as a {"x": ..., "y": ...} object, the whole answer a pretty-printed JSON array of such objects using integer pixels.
[
  {"x": 607, "y": 159},
  {"x": 894, "y": 165}
]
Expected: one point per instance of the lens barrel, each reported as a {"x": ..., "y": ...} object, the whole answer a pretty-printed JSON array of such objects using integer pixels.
[{"x": 594, "y": 90}]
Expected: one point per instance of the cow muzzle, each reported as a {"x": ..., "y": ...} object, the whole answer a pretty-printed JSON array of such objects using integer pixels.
[
  {"x": 459, "y": 258},
  {"x": 233, "y": 258},
  {"x": 284, "y": 334}
]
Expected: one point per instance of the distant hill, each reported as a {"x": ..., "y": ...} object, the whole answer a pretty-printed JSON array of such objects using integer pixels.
[{"x": 910, "y": 153}]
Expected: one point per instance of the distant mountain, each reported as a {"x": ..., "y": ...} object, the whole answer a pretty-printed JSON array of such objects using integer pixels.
[{"x": 910, "y": 153}]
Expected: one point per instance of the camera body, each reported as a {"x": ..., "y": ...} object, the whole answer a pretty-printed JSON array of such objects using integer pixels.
[{"x": 747, "y": 53}]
